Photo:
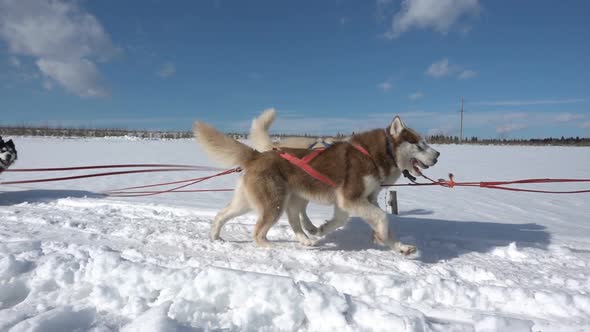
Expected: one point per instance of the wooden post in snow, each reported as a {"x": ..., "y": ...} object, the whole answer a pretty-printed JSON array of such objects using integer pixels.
[{"x": 393, "y": 201}]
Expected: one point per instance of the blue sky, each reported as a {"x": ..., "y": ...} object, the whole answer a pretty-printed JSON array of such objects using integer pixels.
[{"x": 326, "y": 66}]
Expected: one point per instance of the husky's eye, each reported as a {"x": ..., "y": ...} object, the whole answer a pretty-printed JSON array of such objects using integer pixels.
[{"x": 420, "y": 148}]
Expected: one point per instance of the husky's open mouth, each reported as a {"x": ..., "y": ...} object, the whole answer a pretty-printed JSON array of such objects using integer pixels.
[
  {"x": 4, "y": 163},
  {"x": 417, "y": 163}
]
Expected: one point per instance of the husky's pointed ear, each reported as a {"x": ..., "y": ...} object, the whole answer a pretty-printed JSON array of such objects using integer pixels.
[
  {"x": 10, "y": 143},
  {"x": 397, "y": 126}
]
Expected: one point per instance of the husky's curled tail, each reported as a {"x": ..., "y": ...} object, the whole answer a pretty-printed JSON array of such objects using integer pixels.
[
  {"x": 221, "y": 148},
  {"x": 259, "y": 130}
]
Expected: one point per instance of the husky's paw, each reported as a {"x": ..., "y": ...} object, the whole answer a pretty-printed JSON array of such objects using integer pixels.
[
  {"x": 216, "y": 237},
  {"x": 307, "y": 242},
  {"x": 312, "y": 234},
  {"x": 263, "y": 243},
  {"x": 322, "y": 230},
  {"x": 312, "y": 230},
  {"x": 404, "y": 249},
  {"x": 313, "y": 238},
  {"x": 304, "y": 240}
]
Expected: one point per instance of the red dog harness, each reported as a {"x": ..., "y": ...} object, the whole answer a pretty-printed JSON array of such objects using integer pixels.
[{"x": 303, "y": 163}]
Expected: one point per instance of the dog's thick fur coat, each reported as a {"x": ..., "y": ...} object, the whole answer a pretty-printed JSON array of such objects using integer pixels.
[
  {"x": 271, "y": 185},
  {"x": 260, "y": 140}
]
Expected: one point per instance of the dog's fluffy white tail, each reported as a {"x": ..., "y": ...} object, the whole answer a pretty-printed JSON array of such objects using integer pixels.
[
  {"x": 259, "y": 136},
  {"x": 221, "y": 148}
]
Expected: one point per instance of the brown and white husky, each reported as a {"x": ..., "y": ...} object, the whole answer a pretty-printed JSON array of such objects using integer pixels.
[{"x": 271, "y": 184}]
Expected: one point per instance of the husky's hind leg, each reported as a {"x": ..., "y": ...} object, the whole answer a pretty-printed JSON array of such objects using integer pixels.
[
  {"x": 268, "y": 197},
  {"x": 265, "y": 221},
  {"x": 237, "y": 207}
]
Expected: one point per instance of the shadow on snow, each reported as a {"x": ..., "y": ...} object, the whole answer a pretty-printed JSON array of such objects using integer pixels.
[
  {"x": 37, "y": 196},
  {"x": 438, "y": 239}
]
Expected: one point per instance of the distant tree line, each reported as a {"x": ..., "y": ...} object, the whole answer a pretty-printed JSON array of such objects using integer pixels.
[
  {"x": 572, "y": 141},
  {"x": 97, "y": 132},
  {"x": 151, "y": 134},
  {"x": 94, "y": 132},
  {"x": 338, "y": 135}
]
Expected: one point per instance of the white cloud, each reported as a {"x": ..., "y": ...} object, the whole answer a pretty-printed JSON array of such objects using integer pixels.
[
  {"x": 508, "y": 128},
  {"x": 569, "y": 117},
  {"x": 515, "y": 116},
  {"x": 528, "y": 102},
  {"x": 168, "y": 69},
  {"x": 47, "y": 85},
  {"x": 439, "y": 15},
  {"x": 445, "y": 68},
  {"x": 79, "y": 77},
  {"x": 64, "y": 39},
  {"x": 385, "y": 86},
  {"x": 416, "y": 95},
  {"x": 440, "y": 69},
  {"x": 585, "y": 125},
  {"x": 467, "y": 74}
]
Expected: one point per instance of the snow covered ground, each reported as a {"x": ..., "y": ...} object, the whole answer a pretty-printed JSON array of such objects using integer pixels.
[{"x": 73, "y": 260}]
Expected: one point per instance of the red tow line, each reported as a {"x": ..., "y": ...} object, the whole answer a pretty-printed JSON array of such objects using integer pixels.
[
  {"x": 154, "y": 168},
  {"x": 123, "y": 192},
  {"x": 132, "y": 191},
  {"x": 500, "y": 185}
]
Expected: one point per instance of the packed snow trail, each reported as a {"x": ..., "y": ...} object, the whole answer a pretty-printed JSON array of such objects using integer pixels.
[{"x": 72, "y": 260}]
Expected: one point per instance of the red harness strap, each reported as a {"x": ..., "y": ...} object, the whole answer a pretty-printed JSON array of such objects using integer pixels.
[
  {"x": 303, "y": 163},
  {"x": 361, "y": 149}
]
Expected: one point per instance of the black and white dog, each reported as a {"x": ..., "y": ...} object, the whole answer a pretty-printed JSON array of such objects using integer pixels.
[{"x": 7, "y": 154}]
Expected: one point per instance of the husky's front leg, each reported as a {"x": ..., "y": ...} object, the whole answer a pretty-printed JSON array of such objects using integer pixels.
[
  {"x": 295, "y": 207},
  {"x": 377, "y": 219}
]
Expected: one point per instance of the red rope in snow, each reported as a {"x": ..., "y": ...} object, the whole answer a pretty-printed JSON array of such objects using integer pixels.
[
  {"x": 56, "y": 169},
  {"x": 74, "y": 177},
  {"x": 154, "y": 168},
  {"x": 129, "y": 191},
  {"x": 124, "y": 193},
  {"x": 500, "y": 185}
]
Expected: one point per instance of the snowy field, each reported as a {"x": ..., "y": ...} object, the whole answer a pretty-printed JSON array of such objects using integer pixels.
[{"x": 73, "y": 260}]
